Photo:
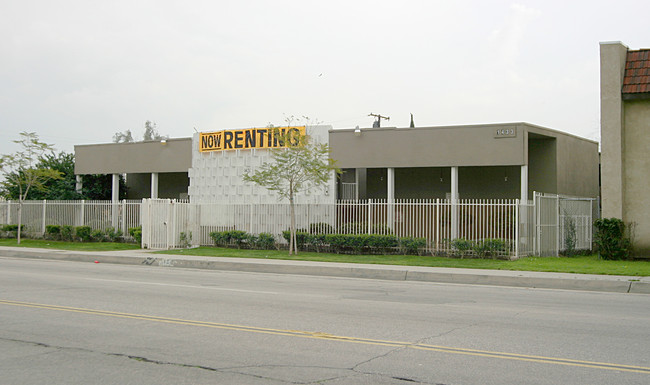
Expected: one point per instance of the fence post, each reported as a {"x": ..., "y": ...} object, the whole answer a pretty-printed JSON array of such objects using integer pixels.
[
  {"x": 538, "y": 231},
  {"x": 517, "y": 208},
  {"x": 369, "y": 216},
  {"x": 557, "y": 225},
  {"x": 123, "y": 217},
  {"x": 8, "y": 212},
  {"x": 171, "y": 214},
  {"x": 44, "y": 212},
  {"x": 82, "y": 213}
]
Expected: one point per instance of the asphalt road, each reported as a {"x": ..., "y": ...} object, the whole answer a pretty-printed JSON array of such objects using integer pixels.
[{"x": 82, "y": 323}]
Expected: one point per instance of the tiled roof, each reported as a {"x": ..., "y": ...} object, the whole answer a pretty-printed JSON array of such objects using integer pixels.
[{"x": 637, "y": 72}]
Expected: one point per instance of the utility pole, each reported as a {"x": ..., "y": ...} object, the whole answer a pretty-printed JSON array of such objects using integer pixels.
[{"x": 377, "y": 123}]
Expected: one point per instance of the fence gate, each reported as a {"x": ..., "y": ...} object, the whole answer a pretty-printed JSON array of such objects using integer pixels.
[
  {"x": 166, "y": 223},
  {"x": 563, "y": 222}
]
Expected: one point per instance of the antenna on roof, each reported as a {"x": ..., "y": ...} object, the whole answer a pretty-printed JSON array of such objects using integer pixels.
[{"x": 377, "y": 122}]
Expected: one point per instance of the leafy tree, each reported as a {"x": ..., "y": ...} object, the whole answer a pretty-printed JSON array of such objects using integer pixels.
[
  {"x": 301, "y": 165},
  {"x": 95, "y": 187},
  {"x": 150, "y": 134},
  {"x": 123, "y": 137},
  {"x": 19, "y": 169},
  {"x": 100, "y": 187}
]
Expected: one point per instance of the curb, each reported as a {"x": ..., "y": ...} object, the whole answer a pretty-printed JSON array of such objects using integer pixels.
[{"x": 521, "y": 279}]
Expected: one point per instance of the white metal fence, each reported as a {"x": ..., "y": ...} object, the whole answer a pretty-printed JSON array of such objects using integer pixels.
[
  {"x": 540, "y": 227},
  {"x": 563, "y": 223},
  {"x": 171, "y": 224},
  {"x": 36, "y": 215}
]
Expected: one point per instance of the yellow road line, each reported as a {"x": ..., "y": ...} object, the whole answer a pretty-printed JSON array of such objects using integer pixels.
[{"x": 331, "y": 337}]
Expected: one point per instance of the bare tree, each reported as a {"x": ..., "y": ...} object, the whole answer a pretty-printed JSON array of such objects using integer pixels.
[
  {"x": 19, "y": 169},
  {"x": 301, "y": 165}
]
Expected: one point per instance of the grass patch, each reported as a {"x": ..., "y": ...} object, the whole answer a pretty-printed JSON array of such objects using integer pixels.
[
  {"x": 60, "y": 245},
  {"x": 579, "y": 265}
]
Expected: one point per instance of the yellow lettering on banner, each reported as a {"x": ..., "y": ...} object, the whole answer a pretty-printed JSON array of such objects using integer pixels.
[
  {"x": 248, "y": 138},
  {"x": 212, "y": 141}
]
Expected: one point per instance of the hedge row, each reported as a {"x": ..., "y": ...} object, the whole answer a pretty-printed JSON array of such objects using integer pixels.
[
  {"x": 489, "y": 247},
  {"x": 338, "y": 243},
  {"x": 242, "y": 239},
  {"x": 78, "y": 233}
]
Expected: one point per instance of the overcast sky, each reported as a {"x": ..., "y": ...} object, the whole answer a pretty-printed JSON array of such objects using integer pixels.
[{"x": 76, "y": 72}]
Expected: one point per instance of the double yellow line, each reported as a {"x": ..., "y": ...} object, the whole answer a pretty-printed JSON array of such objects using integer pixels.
[{"x": 331, "y": 337}]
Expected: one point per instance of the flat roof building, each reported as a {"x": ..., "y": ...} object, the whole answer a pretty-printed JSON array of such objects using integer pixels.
[{"x": 489, "y": 161}]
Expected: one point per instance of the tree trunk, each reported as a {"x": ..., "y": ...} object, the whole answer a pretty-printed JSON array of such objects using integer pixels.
[
  {"x": 292, "y": 231},
  {"x": 20, "y": 219}
]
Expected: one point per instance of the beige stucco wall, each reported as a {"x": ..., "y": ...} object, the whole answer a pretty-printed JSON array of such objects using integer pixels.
[
  {"x": 636, "y": 177},
  {"x": 542, "y": 165},
  {"x": 577, "y": 167},
  {"x": 175, "y": 155},
  {"x": 427, "y": 147},
  {"x": 559, "y": 162},
  {"x": 612, "y": 70}
]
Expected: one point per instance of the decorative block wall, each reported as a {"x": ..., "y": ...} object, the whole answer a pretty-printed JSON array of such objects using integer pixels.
[{"x": 216, "y": 176}]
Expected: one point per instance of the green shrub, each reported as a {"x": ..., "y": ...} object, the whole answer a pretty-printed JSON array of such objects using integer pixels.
[
  {"x": 53, "y": 232},
  {"x": 220, "y": 238},
  {"x": 11, "y": 231},
  {"x": 67, "y": 233},
  {"x": 381, "y": 242},
  {"x": 412, "y": 245},
  {"x": 226, "y": 238},
  {"x": 302, "y": 237},
  {"x": 317, "y": 241},
  {"x": 238, "y": 237},
  {"x": 251, "y": 240},
  {"x": 136, "y": 233},
  {"x": 570, "y": 236},
  {"x": 84, "y": 233},
  {"x": 185, "y": 239},
  {"x": 338, "y": 242},
  {"x": 266, "y": 241},
  {"x": 462, "y": 246},
  {"x": 361, "y": 243},
  {"x": 97, "y": 235},
  {"x": 113, "y": 235},
  {"x": 490, "y": 247},
  {"x": 612, "y": 239}
]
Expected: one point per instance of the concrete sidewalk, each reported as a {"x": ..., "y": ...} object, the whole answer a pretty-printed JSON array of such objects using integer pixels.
[{"x": 530, "y": 279}]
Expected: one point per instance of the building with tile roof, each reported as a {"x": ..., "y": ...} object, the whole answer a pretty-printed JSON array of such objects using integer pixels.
[{"x": 625, "y": 138}]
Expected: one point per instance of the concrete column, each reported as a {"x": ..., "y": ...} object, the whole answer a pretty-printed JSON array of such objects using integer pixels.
[
  {"x": 454, "y": 183},
  {"x": 115, "y": 192},
  {"x": 79, "y": 184},
  {"x": 356, "y": 184},
  {"x": 454, "y": 202},
  {"x": 391, "y": 196},
  {"x": 522, "y": 226},
  {"x": 391, "y": 184},
  {"x": 613, "y": 56},
  {"x": 524, "y": 184},
  {"x": 154, "y": 185},
  {"x": 115, "y": 198}
]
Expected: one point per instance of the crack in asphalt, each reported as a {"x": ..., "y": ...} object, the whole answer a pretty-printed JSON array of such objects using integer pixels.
[
  {"x": 232, "y": 370},
  {"x": 238, "y": 370},
  {"x": 137, "y": 358}
]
